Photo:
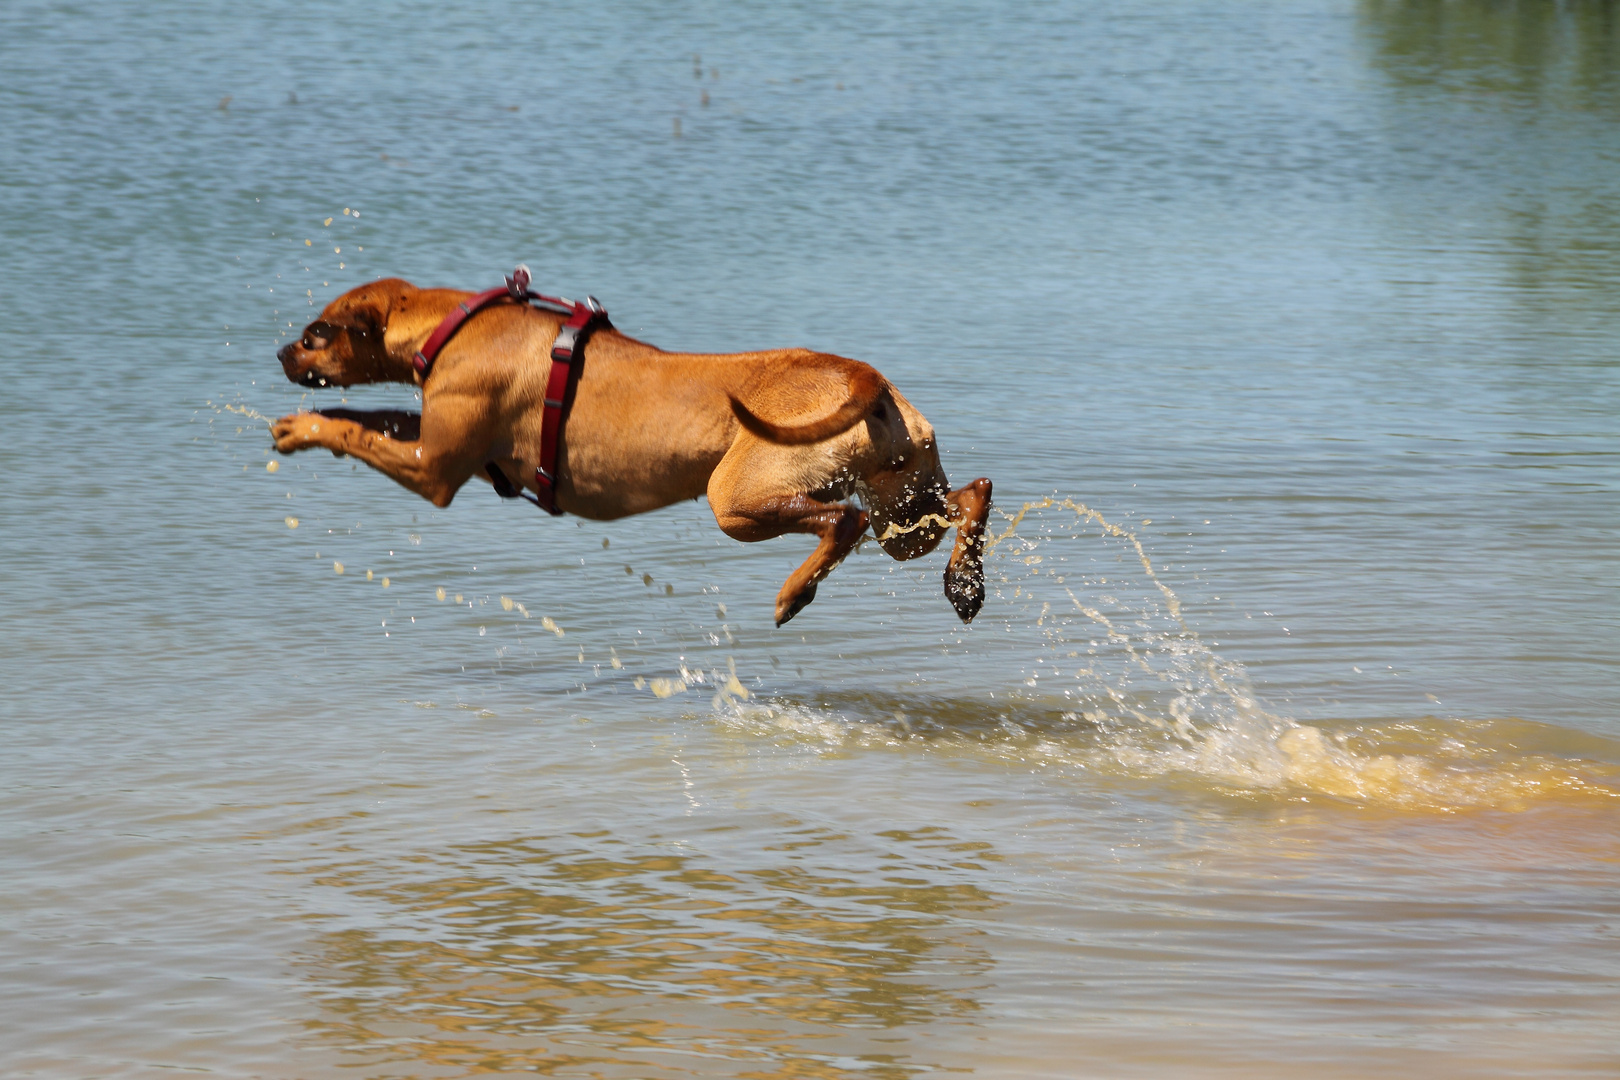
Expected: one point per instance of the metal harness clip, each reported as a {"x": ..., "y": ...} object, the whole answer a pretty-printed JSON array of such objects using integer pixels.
[{"x": 518, "y": 283}]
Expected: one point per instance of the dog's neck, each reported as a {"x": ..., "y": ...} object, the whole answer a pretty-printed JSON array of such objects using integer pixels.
[
  {"x": 412, "y": 318},
  {"x": 388, "y": 365}
]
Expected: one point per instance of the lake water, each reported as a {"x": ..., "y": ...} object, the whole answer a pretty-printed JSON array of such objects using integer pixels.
[{"x": 1288, "y": 741}]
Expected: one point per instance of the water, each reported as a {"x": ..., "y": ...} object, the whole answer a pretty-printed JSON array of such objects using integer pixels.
[{"x": 1287, "y": 742}]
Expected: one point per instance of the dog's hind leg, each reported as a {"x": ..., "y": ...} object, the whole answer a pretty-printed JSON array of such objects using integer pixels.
[
  {"x": 839, "y": 525},
  {"x": 964, "y": 574},
  {"x": 761, "y": 490}
]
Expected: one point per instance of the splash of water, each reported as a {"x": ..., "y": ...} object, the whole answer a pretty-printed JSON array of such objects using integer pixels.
[
  {"x": 1119, "y": 684},
  {"x": 240, "y": 410}
]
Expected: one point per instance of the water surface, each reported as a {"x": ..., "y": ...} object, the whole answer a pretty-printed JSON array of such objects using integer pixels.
[{"x": 1288, "y": 741}]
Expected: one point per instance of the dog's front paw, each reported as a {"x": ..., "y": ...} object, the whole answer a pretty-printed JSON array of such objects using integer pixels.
[{"x": 300, "y": 431}]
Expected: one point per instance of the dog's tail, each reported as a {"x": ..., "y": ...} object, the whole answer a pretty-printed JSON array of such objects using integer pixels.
[{"x": 865, "y": 386}]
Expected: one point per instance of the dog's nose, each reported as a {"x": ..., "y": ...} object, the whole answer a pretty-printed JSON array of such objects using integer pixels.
[{"x": 285, "y": 353}]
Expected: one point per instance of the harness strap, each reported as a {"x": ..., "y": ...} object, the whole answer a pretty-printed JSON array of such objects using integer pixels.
[
  {"x": 429, "y": 352},
  {"x": 503, "y": 487},
  {"x": 582, "y": 320},
  {"x": 571, "y": 337}
]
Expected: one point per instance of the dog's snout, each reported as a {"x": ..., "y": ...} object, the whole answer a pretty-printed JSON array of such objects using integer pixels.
[{"x": 285, "y": 353}]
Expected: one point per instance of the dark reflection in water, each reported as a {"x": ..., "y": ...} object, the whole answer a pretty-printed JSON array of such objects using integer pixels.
[
  {"x": 545, "y": 955},
  {"x": 1504, "y": 115},
  {"x": 1563, "y": 53}
]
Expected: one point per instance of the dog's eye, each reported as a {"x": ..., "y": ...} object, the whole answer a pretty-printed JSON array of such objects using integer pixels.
[{"x": 313, "y": 342}]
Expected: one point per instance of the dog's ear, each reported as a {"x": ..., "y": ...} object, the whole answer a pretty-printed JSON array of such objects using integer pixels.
[
  {"x": 368, "y": 321},
  {"x": 371, "y": 306},
  {"x": 387, "y": 312}
]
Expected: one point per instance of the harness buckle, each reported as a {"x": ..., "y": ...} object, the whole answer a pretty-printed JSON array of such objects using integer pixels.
[
  {"x": 562, "y": 350},
  {"x": 518, "y": 283}
]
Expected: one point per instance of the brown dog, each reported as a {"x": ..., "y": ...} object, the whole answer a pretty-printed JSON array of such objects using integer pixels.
[{"x": 777, "y": 440}]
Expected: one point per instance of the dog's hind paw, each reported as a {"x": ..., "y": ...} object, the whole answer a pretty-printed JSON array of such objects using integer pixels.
[
  {"x": 965, "y": 590},
  {"x": 787, "y": 607}
]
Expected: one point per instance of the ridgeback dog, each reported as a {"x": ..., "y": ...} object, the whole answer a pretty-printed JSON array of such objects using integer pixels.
[{"x": 778, "y": 440}]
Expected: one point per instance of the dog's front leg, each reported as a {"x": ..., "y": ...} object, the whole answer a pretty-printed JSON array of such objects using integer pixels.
[
  {"x": 413, "y": 463},
  {"x": 964, "y": 574},
  {"x": 394, "y": 423}
]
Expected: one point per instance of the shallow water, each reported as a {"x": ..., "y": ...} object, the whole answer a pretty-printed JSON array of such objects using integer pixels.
[{"x": 1288, "y": 741}]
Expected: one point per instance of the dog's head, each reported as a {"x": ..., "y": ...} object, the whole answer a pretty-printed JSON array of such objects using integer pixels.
[
  {"x": 905, "y": 494},
  {"x": 345, "y": 345}
]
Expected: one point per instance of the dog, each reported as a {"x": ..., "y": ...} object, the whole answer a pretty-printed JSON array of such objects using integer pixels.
[{"x": 779, "y": 441}]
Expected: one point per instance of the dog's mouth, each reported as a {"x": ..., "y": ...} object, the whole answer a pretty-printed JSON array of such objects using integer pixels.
[{"x": 292, "y": 360}]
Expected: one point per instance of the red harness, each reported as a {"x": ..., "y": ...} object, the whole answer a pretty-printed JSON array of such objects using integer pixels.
[{"x": 582, "y": 320}]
